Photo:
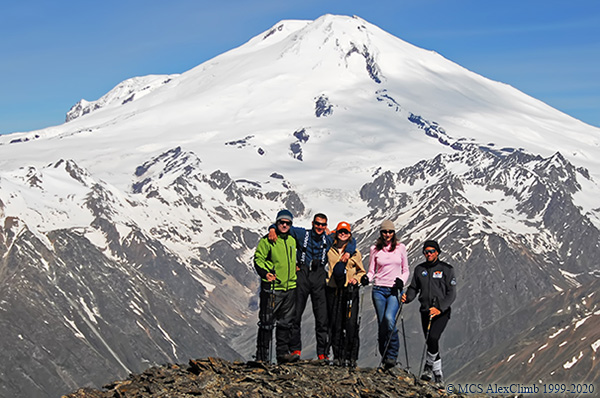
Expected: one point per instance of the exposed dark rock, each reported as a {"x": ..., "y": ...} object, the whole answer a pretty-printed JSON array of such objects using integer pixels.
[
  {"x": 383, "y": 96},
  {"x": 371, "y": 64},
  {"x": 296, "y": 147},
  {"x": 272, "y": 31},
  {"x": 241, "y": 142},
  {"x": 323, "y": 107},
  {"x": 301, "y": 135},
  {"x": 128, "y": 99},
  {"x": 213, "y": 377},
  {"x": 432, "y": 129}
]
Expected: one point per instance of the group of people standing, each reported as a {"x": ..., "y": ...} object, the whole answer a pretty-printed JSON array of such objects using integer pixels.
[{"x": 296, "y": 263}]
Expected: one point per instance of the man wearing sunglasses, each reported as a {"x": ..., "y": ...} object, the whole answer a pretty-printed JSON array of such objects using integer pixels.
[
  {"x": 275, "y": 263},
  {"x": 313, "y": 245},
  {"x": 435, "y": 283}
]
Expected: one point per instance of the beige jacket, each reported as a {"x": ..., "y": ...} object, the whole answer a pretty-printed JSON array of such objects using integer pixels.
[{"x": 354, "y": 266}]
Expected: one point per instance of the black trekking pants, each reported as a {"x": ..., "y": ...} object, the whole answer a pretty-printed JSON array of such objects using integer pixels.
[
  {"x": 438, "y": 324},
  {"x": 277, "y": 310},
  {"x": 311, "y": 283},
  {"x": 343, "y": 307}
]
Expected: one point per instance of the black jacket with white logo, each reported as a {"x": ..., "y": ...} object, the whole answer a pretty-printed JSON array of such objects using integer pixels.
[{"x": 433, "y": 281}]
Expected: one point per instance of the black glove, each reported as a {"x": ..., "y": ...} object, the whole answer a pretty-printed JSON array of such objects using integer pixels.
[
  {"x": 399, "y": 284},
  {"x": 364, "y": 280}
]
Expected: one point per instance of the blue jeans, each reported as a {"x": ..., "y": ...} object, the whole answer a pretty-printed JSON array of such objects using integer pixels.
[{"x": 386, "y": 306}]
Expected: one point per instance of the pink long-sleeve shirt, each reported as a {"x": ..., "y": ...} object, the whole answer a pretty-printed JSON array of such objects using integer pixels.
[{"x": 385, "y": 265}]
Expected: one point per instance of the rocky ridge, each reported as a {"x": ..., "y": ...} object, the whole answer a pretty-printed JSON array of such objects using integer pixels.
[{"x": 213, "y": 377}]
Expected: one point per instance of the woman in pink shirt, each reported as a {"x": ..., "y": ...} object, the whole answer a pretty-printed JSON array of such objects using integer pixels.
[{"x": 388, "y": 269}]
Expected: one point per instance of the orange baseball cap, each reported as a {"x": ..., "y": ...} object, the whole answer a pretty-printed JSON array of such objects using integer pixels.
[{"x": 343, "y": 225}]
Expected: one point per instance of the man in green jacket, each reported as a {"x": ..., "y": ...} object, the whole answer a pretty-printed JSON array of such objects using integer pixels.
[{"x": 275, "y": 263}]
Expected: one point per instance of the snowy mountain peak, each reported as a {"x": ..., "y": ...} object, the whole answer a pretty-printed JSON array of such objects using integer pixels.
[{"x": 125, "y": 92}]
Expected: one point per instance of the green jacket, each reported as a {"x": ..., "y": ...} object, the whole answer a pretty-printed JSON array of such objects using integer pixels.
[{"x": 278, "y": 258}]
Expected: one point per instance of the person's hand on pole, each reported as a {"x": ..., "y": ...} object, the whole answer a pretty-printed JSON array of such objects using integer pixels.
[
  {"x": 433, "y": 312},
  {"x": 271, "y": 277},
  {"x": 398, "y": 286}
]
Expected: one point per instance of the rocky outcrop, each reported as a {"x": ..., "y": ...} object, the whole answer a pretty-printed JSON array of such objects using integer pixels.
[{"x": 213, "y": 377}]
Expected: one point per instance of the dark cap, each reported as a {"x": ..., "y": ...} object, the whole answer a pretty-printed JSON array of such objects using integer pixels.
[
  {"x": 432, "y": 243},
  {"x": 284, "y": 215}
]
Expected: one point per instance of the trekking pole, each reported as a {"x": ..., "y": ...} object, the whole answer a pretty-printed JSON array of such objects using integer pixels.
[
  {"x": 343, "y": 346},
  {"x": 356, "y": 336},
  {"x": 271, "y": 320},
  {"x": 404, "y": 338},
  {"x": 389, "y": 339},
  {"x": 334, "y": 319},
  {"x": 427, "y": 337}
]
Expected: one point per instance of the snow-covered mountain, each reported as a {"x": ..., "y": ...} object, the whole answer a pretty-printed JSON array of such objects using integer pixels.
[{"x": 127, "y": 232}]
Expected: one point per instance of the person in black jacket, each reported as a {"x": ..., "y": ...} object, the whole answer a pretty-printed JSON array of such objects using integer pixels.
[{"x": 435, "y": 283}]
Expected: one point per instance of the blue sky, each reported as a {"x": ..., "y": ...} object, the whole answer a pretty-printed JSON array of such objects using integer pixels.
[{"x": 52, "y": 54}]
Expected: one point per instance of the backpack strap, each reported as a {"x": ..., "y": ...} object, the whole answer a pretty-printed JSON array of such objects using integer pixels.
[{"x": 304, "y": 247}]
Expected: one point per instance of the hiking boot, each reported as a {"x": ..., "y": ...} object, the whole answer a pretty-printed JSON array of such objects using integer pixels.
[
  {"x": 438, "y": 381},
  {"x": 287, "y": 358},
  {"x": 427, "y": 373},
  {"x": 283, "y": 359},
  {"x": 323, "y": 358},
  {"x": 297, "y": 353},
  {"x": 389, "y": 362}
]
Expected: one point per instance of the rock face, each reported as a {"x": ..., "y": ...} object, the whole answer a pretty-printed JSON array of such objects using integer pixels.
[
  {"x": 213, "y": 377},
  {"x": 509, "y": 224},
  {"x": 75, "y": 312}
]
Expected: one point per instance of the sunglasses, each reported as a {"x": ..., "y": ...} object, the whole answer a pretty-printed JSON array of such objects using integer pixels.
[
  {"x": 320, "y": 224},
  {"x": 390, "y": 231},
  {"x": 281, "y": 222},
  {"x": 429, "y": 251},
  {"x": 343, "y": 231}
]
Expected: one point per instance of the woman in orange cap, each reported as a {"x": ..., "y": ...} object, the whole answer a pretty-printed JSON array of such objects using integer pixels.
[{"x": 343, "y": 298}]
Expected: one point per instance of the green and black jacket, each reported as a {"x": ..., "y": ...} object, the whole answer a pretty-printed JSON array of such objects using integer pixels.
[{"x": 278, "y": 258}]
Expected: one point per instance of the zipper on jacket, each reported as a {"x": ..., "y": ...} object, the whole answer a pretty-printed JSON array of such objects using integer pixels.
[{"x": 287, "y": 284}]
